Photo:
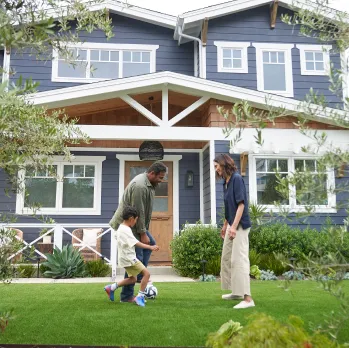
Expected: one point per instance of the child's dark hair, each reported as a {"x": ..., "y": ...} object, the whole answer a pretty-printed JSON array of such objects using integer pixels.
[{"x": 129, "y": 212}]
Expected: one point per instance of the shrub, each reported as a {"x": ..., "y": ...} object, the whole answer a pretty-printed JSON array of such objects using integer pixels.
[
  {"x": 5, "y": 317},
  {"x": 43, "y": 268},
  {"x": 268, "y": 275},
  {"x": 25, "y": 271},
  {"x": 293, "y": 275},
  {"x": 65, "y": 263},
  {"x": 207, "y": 278},
  {"x": 97, "y": 268},
  {"x": 273, "y": 263},
  {"x": 254, "y": 257},
  {"x": 255, "y": 272},
  {"x": 194, "y": 244},
  {"x": 213, "y": 266}
]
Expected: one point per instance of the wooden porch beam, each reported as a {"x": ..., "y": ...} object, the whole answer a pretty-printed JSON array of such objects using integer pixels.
[
  {"x": 243, "y": 163},
  {"x": 165, "y": 105},
  {"x": 204, "y": 32},
  {"x": 273, "y": 13},
  {"x": 141, "y": 109},
  {"x": 188, "y": 111}
]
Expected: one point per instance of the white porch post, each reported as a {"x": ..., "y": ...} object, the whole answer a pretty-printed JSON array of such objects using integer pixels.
[
  {"x": 113, "y": 254},
  {"x": 213, "y": 183},
  {"x": 58, "y": 237}
]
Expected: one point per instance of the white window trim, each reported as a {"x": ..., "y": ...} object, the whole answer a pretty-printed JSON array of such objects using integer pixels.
[
  {"x": 286, "y": 48},
  {"x": 60, "y": 162},
  {"x": 232, "y": 45},
  {"x": 92, "y": 45},
  {"x": 325, "y": 49},
  {"x": 292, "y": 208}
]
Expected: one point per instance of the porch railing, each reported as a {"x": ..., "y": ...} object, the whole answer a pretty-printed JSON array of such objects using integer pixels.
[{"x": 58, "y": 231}]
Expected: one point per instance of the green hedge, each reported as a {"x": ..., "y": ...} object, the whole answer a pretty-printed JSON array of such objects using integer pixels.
[{"x": 194, "y": 244}]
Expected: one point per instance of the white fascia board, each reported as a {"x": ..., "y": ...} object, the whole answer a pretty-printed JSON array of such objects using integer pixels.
[{"x": 175, "y": 82}]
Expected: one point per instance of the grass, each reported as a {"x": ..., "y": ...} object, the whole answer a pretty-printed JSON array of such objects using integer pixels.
[{"x": 182, "y": 315}]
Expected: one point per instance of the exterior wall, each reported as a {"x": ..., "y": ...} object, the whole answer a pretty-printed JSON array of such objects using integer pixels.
[
  {"x": 254, "y": 26},
  {"x": 206, "y": 186},
  {"x": 313, "y": 222},
  {"x": 169, "y": 56},
  {"x": 189, "y": 198},
  {"x": 1, "y": 63}
]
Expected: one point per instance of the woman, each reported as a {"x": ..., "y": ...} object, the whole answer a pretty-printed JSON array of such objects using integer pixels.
[{"x": 235, "y": 264}]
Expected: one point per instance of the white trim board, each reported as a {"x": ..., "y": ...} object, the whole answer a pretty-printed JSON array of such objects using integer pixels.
[
  {"x": 176, "y": 82},
  {"x": 128, "y": 149},
  {"x": 6, "y": 65},
  {"x": 169, "y": 158},
  {"x": 213, "y": 184}
]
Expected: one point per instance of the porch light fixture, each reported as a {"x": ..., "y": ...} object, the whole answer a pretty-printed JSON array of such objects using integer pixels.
[
  {"x": 190, "y": 178},
  {"x": 151, "y": 151}
]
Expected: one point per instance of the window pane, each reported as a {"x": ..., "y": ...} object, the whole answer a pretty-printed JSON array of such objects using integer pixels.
[
  {"x": 90, "y": 171},
  {"x": 160, "y": 204},
  {"x": 105, "y": 70},
  {"x": 227, "y": 63},
  {"x": 146, "y": 57},
  {"x": 161, "y": 189},
  {"x": 226, "y": 53},
  {"x": 136, "y": 57},
  {"x": 237, "y": 53},
  {"x": 30, "y": 171},
  {"x": 69, "y": 171},
  {"x": 134, "y": 171},
  {"x": 82, "y": 55},
  {"x": 274, "y": 77},
  {"x": 237, "y": 63},
  {"x": 319, "y": 56},
  {"x": 41, "y": 191},
  {"x": 105, "y": 55},
  {"x": 272, "y": 165},
  {"x": 94, "y": 55},
  {"x": 312, "y": 190},
  {"x": 266, "y": 190},
  {"x": 67, "y": 70},
  {"x": 78, "y": 193},
  {"x": 127, "y": 56},
  {"x": 309, "y": 65},
  {"x": 273, "y": 57},
  {"x": 133, "y": 69},
  {"x": 281, "y": 57},
  {"x": 261, "y": 165},
  {"x": 310, "y": 165},
  {"x": 78, "y": 171},
  {"x": 266, "y": 57},
  {"x": 319, "y": 66},
  {"x": 309, "y": 56},
  {"x": 299, "y": 165},
  {"x": 114, "y": 56},
  {"x": 283, "y": 165}
]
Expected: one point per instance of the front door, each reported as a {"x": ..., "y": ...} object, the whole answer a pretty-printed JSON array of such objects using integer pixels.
[{"x": 161, "y": 226}]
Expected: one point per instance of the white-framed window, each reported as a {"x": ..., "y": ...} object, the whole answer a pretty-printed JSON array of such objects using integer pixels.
[
  {"x": 65, "y": 188},
  {"x": 232, "y": 56},
  {"x": 315, "y": 59},
  {"x": 274, "y": 68},
  {"x": 263, "y": 182},
  {"x": 98, "y": 62}
]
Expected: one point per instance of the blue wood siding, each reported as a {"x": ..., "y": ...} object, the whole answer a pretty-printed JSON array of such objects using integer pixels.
[
  {"x": 1, "y": 63},
  {"x": 169, "y": 56},
  {"x": 254, "y": 26},
  {"x": 206, "y": 186},
  {"x": 189, "y": 198},
  {"x": 314, "y": 221}
]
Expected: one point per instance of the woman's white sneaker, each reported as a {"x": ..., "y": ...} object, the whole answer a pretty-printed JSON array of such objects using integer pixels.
[
  {"x": 232, "y": 297},
  {"x": 244, "y": 304}
]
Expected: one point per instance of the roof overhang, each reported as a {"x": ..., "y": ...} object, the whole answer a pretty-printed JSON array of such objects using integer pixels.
[
  {"x": 60, "y": 98},
  {"x": 193, "y": 20}
]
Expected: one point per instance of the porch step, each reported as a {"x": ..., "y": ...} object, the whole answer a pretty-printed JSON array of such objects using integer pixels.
[{"x": 154, "y": 270}]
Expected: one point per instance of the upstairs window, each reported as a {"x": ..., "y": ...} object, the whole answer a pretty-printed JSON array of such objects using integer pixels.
[
  {"x": 232, "y": 57},
  {"x": 91, "y": 62},
  {"x": 274, "y": 68},
  {"x": 315, "y": 59}
]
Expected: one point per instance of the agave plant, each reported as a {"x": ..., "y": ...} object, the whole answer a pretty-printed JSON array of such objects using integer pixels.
[{"x": 65, "y": 263}]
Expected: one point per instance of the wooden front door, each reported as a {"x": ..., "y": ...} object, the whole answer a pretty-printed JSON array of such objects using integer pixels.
[{"x": 161, "y": 226}]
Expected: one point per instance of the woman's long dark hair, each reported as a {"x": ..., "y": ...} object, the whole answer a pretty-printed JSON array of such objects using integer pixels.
[{"x": 227, "y": 164}]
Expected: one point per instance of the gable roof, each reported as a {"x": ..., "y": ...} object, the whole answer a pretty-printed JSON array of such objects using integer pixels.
[{"x": 175, "y": 82}]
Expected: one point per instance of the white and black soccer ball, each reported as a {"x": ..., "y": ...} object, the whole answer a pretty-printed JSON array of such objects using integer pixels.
[{"x": 151, "y": 291}]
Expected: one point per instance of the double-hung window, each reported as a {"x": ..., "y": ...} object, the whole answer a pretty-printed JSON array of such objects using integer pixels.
[
  {"x": 315, "y": 59},
  {"x": 232, "y": 56},
  {"x": 274, "y": 68},
  {"x": 91, "y": 62},
  {"x": 64, "y": 188},
  {"x": 264, "y": 182}
]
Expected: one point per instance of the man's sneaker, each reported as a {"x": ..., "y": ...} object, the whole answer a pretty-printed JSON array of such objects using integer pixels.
[
  {"x": 140, "y": 301},
  {"x": 109, "y": 292},
  {"x": 244, "y": 304},
  {"x": 129, "y": 300},
  {"x": 232, "y": 297}
]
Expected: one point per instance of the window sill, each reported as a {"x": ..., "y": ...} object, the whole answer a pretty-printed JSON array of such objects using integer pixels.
[
  {"x": 318, "y": 210},
  {"x": 77, "y": 80},
  {"x": 280, "y": 93},
  {"x": 60, "y": 212},
  {"x": 314, "y": 73},
  {"x": 232, "y": 71}
]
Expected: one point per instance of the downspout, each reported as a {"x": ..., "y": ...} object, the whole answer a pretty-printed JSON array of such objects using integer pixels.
[
  {"x": 6, "y": 65},
  {"x": 180, "y": 33}
]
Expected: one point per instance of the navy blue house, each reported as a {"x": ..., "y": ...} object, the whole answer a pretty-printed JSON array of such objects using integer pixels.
[{"x": 161, "y": 78}]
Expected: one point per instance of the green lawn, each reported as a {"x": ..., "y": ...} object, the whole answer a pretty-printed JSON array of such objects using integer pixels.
[{"x": 182, "y": 315}]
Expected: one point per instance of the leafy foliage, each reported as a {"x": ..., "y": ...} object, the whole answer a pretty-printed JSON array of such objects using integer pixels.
[
  {"x": 97, "y": 268},
  {"x": 224, "y": 335},
  {"x": 194, "y": 244},
  {"x": 293, "y": 275},
  {"x": 267, "y": 275},
  {"x": 207, "y": 278},
  {"x": 5, "y": 317},
  {"x": 25, "y": 271},
  {"x": 65, "y": 263},
  {"x": 255, "y": 272},
  {"x": 213, "y": 266}
]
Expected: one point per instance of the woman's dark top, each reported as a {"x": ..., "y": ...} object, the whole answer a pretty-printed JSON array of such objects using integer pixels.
[{"x": 235, "y": 193}]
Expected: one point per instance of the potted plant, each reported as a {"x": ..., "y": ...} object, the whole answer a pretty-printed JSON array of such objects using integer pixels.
[{"x": 48, "y": 238}]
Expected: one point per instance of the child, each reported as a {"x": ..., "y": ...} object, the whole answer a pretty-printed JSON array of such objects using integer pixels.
[{"x": 127, "y": 242}]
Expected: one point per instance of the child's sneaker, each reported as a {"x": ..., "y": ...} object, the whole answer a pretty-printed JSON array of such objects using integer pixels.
[
  {"x": 109, "y": 292},
  {"x": 140, "y": 301}
]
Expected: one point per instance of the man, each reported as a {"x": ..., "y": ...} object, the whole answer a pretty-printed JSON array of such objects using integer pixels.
[{"x": 140, "y": 193}]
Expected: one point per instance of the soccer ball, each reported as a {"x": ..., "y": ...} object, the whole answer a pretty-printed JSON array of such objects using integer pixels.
[{"x": 151, "y": 291}]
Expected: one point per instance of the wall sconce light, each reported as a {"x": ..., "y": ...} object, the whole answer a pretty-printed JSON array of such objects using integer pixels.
[{"x": 190, "y": 178}]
